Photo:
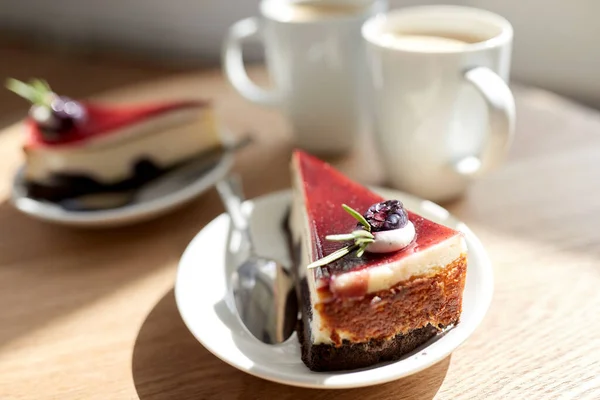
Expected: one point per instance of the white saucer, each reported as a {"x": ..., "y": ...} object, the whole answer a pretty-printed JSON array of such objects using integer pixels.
[
  {"x": 203, "y": 299},
  {"x": 171, "y": 191}
]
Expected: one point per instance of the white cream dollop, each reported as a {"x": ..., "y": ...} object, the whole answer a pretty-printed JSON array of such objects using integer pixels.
[{"x": 392, "y": 240}]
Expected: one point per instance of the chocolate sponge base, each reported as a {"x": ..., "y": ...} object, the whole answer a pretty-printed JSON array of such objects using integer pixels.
[
  {"x": 326, "y": 357},
  {"x": 64, "y": 186}
]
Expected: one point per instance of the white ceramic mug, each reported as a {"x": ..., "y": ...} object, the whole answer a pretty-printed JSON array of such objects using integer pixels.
[
  {"x": 317, "y": 64},
  {"x": 443, "y": 111}
]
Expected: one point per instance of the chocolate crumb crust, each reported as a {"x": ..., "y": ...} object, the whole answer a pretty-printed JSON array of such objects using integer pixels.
[
  {"x": 346, "y": 356},
  {"x": 63, "y": 186}
]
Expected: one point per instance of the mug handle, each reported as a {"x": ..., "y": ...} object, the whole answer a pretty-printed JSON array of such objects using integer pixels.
[
  {"x": 501, "y": 111},
  {"x": 233, "y": 63}
]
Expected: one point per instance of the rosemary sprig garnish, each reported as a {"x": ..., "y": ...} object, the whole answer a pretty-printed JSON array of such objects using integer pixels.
[
  {"x": 358, "y": 216},
  {"x": 361, "y": 237},
  {"x": 333, "y": 256},
  {"x": 37, "y": 91},
  {"x": 360, "y": 251},
  {"x": 355, "y": 235}
]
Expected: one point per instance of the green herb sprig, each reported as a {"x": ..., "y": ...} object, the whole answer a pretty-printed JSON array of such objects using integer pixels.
[
  {"x": 37, "y": 91},
  {"x": 361, "y": 237}
]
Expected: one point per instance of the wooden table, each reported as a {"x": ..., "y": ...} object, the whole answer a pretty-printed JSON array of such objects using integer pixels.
[{"x": 91, "y": 314}]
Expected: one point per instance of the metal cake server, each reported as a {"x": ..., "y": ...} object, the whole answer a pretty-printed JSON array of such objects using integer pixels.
[{"x": 263, "y": 289}]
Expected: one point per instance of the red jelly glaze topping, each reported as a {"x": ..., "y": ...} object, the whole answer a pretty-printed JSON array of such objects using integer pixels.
[
  {"x": 104, "y": 120},
  {"x": 325, "y": 190}
]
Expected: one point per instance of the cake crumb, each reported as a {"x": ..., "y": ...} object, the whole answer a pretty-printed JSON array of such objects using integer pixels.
[{"x": 375, "y": 300}]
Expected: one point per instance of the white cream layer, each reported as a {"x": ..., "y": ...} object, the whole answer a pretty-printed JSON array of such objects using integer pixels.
[
  {"x": 165, "y": 139},
  {"x": 379, "y": 278},
  {"x": 420, "y": 263}
]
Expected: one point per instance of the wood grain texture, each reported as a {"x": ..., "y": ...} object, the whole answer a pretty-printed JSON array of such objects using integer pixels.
[{"x": 91, "y": 314}]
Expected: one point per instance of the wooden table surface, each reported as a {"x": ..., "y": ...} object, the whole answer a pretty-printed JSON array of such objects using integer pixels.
[{"x": 91, "y": 314}]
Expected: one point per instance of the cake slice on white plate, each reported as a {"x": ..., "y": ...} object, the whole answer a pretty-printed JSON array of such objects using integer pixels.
[
  {"x": 370, "y": 291},
  {"x": 75, "y": 148}
]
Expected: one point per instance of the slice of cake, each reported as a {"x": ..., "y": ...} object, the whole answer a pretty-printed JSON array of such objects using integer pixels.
[
  {"x": 372, "y": 290},
  {"x": 74, "y": 148}
]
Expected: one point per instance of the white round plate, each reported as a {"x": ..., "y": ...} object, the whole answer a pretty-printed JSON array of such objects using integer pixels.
[
  {"x": 203, "y": 297},
  {"x": 169, "y": 194}
]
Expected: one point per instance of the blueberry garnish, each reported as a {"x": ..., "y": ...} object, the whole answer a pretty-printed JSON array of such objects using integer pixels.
[
  {"x": 386, "y": 215},
  {"x": 53, "y": 114},
  {"x": 67, "y": 113}
]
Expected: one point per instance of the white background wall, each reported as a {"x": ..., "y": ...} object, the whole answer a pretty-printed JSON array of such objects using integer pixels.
[{"x": 557, "y": 42}]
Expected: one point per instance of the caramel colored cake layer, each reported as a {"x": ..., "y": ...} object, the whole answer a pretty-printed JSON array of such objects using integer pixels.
[
  {"x": 435, "y": 299},
  {"x": 385, "y": 325}
]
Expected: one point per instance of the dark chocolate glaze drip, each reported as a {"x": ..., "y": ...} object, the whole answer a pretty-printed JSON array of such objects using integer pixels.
[{"x": 294, "y": 252}]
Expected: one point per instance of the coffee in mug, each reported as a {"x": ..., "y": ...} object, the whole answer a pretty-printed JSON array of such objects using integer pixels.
[
  {"x": 317, "y": 10},
  {"x": 430, "y": 41}
]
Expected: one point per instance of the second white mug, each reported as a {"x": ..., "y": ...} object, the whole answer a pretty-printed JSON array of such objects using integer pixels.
[
  {"x": 316, "y": 60},
  {"x": 443, "y": 111}
]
